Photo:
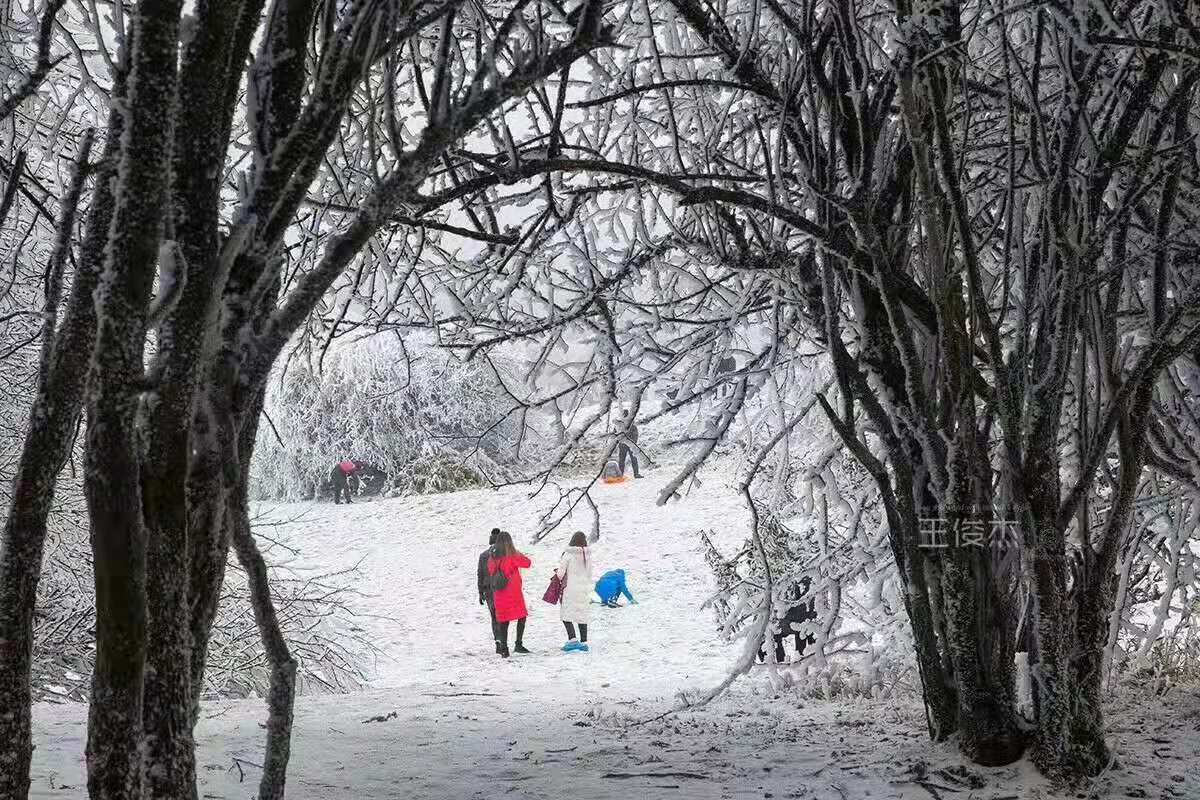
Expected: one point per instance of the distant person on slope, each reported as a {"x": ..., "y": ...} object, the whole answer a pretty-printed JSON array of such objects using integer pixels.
[
  {"x": 485, "y": 586},
  {"x": 576, "y": 604},
  {"x": 340, "y": 477},
  {"x": 611, "y": 586},
  {"x": 504, "y": 571},
  {"x": 628, "y": 448}
]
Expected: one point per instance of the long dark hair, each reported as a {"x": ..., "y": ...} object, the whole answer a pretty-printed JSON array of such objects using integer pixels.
[
  {"x": 505, "y": 546},
  {"x": 579, "y": 539}
]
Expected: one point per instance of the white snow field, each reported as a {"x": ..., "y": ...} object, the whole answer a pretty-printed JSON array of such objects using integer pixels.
[{"x": 457, "y": 721}]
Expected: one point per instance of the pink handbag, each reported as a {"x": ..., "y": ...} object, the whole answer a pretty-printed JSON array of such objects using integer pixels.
[{"x": 554, "y": 591}]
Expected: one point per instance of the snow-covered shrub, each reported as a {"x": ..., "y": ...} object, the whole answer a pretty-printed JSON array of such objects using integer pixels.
[
  {"x": 63, "y": 644},
  {"x": 441, "y": 474},
  {"x": 429, "y": 420},
  {"x": 1175, "y": 659},
  {"x": 316, "y": 615},
  {"x": 818, "y": 525},
  {"x": 315, "y": 611}
]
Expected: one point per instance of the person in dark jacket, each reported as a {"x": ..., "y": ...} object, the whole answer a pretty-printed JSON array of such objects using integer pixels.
[
  {"x": 485, "y": 587},
  {"x": 343, "y": 473},
  {"x": 628, "y": 447},
  {"x": 802, "y": 611}
]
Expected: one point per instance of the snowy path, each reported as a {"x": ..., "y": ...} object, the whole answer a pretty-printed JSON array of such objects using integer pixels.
[{"x": 462, "y": 723}]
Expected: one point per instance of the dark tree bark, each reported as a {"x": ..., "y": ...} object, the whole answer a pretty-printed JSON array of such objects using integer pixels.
[
  {"x": 987, "y": 725},
  {"x": 282, "y": 693},
  {"x": 165, "y": 482},
  {"x": 113, "y": 463},
  {"x": 1096, "y": 597},
  {"x": 212, "y": 60}
]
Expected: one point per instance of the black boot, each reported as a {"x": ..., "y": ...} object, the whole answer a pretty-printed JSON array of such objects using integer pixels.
[
  {"x": 499, "y": 647},
  {"x": 502, "y": 649},
  {"x": 520, "y": 648}
]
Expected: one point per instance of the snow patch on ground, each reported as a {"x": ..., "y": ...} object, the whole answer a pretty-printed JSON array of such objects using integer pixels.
[{"x": 456, "y": 721}]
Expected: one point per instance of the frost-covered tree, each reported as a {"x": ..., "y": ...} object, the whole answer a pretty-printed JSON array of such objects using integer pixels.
[
  {"x": 983, "y": 218},
  {"x": 224, "y": 203},
  {"x": 423, "y": 416},
  {"x": 975, "y": 220}
]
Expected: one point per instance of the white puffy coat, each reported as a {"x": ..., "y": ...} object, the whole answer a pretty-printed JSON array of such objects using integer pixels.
[{"x": 576, "y": 567}]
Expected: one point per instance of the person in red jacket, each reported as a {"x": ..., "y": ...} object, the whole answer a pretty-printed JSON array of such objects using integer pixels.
[{"x": 509, "y": 601}]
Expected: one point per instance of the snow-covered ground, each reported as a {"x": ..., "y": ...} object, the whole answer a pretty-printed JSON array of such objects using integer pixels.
[{"x": 447, "y": 718}]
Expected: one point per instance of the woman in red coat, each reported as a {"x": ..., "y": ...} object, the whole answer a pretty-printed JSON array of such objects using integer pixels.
[{"x": 510, "y": 601}]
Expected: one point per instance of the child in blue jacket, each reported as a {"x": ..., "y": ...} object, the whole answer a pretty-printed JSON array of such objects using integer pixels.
[{"x": 611, "y": 586}]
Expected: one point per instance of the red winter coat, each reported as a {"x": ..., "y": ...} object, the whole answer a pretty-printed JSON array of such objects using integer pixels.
[{"x": 510, "y": 601}]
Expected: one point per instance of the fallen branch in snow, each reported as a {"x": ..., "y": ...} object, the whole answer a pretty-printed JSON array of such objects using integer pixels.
[
  {"x": 661, "y": 716},
  {"x": 237, "y": 762},
  {"x": 381, "y": 717},
  {"x": 625, "y": 775}
]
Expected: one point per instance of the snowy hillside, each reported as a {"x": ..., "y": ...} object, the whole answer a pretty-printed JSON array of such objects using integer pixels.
[
  {"x": 447, "y": 718},
  {"x": 416, "y": 562}
]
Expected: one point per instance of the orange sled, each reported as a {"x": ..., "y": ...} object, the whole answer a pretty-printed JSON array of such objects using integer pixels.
[{"x": 612, "y": 473}]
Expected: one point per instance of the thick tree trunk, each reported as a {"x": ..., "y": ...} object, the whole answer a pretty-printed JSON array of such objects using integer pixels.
[
  {"x": 1097, "y": 595},
  {"x": 118, "y": 548},
  {"x": 941, "y": 702},
  {"x": 47, "y": 445},
  {"x": 222, "y": 441},
  {"x": 190, "y": 522},
  {"x": 1052, "y": 683},
  {"x": 166, "y": 715},
  {"x": 986, "y": 722},
  {"x": 1089, "y": 752},
  {"x": 113, "y": 479},
  {"x": 179, "y": 623},
  {"x": 208, "y": 546}
]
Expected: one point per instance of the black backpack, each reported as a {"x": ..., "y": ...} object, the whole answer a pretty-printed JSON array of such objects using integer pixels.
[{"x": 498, "y": 581}]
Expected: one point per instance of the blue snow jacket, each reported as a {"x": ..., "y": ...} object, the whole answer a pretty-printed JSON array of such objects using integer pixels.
[{"x": 611, "y": 585}]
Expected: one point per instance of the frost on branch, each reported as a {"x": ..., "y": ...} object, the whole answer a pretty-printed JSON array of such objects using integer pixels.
[{"x": 424, "y": 417}]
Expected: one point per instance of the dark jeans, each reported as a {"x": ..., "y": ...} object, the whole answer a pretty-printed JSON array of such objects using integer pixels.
[
  {"x": 571, "y": 631},
  {"x": 491, "y": 604},
  {"x": 624, "y": 452},
  {"x": 341, "y": 485},
  {"x": 503, "y": 638}
]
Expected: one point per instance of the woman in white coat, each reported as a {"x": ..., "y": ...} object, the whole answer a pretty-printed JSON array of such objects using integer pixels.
[{"x": 576, "y": 605}]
